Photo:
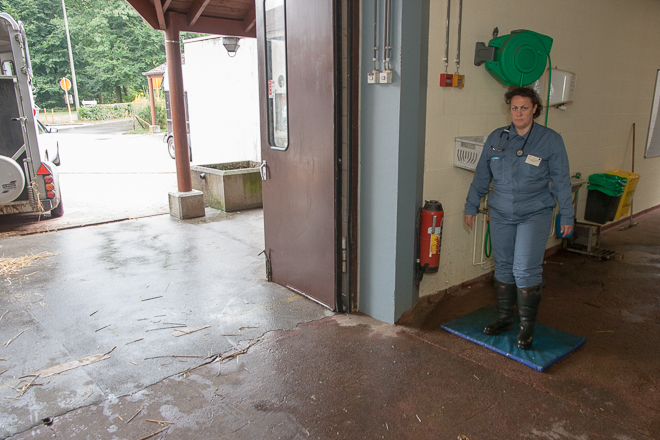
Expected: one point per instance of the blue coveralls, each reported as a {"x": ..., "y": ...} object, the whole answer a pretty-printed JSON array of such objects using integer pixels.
[{"x": 522, "y": 202}]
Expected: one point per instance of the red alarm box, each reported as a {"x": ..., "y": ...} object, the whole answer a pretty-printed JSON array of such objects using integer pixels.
[{"x": 446, "y": 80}]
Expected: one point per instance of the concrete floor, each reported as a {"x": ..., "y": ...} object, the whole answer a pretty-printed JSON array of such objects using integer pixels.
[
  {"x": 95, "y": 294},
  {"x": 311, "y": 374}
]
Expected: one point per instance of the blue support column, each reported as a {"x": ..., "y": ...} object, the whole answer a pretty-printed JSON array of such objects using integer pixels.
[{"x": 392, "y": 136}]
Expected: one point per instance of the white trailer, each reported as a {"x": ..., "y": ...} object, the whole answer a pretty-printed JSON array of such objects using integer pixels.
[{"x": 29, "y": 181}]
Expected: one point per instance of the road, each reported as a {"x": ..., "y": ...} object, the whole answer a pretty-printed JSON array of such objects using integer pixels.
[
  {"x": 105, "y": 176},
  {"x": 104, "y": 148}
]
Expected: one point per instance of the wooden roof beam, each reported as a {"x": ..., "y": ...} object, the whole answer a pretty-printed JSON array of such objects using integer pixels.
[
  {"x": 196, "y": 11},
  {"x": 249, "y": 20},
  {"x": 166, "y": 5},
  {"x": 146, "y": 10},
  {"x": 160, "y": 14},
  {"x": 218, "y": 26}
]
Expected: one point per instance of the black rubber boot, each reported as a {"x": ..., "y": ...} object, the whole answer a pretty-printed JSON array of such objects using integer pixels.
[
  {"x": 506, "y": 301},
  {"x": 528, "y": 306}
]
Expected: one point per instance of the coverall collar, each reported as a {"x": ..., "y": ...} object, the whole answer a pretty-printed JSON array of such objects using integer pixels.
[{"x": 512, "y": 130}]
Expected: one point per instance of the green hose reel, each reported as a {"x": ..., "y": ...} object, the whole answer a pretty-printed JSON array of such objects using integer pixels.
[{"x": 516, "y": 59}]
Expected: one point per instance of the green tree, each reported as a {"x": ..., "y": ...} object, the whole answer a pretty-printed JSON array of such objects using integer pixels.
[
  {"x": 50, "y": 60},
  {"x": 121, "y": 47},
  {"x": 111, "y": 47}
]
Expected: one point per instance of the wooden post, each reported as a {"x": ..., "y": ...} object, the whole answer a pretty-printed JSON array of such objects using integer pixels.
[
  {"x": 152, "y": 100},
  {"x": 175, "y": 77}
]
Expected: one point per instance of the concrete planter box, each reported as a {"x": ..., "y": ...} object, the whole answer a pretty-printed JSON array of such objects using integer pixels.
[{"x": 229, "y": 186}]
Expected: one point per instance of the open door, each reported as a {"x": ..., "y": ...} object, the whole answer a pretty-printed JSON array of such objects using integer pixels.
[{"x": 297, "y": 67}]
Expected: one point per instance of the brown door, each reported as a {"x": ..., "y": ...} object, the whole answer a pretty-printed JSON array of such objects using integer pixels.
[{"x": 298, "y": 139}]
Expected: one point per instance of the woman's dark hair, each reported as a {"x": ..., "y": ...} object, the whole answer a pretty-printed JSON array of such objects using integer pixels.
[{"x": 525, "y": 92}]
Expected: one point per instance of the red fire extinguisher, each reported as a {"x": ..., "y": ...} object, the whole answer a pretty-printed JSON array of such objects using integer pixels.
[{"x": 430, "y": 236}]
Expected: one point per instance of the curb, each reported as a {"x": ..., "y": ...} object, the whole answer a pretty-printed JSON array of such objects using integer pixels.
[{"x": 84, "y": 124}]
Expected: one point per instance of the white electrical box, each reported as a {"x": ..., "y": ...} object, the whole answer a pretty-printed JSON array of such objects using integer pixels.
[
  {"x": 373, "y": 77},
  {"x": 562, "y": 90},
  {"x": 385, "y": 77}
]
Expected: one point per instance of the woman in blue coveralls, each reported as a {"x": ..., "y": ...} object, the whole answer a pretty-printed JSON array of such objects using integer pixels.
[{"x": 528, "y": 166}]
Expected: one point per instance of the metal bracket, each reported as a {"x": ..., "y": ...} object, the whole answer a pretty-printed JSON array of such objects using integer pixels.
[
  {"x": 19, "y": 152},
  {"x": 269, "y": 273},
  {"x": 483, "y": 53}
]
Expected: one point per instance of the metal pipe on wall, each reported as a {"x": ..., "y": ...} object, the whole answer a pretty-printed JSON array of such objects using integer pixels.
[
  {"x": 446, "y": 58},
  {"x": 375, "y": 34},
  {"x": 458, "y": 48},
  {"x": 385, "y": 32},
  {"x": 389, "y": 33}
]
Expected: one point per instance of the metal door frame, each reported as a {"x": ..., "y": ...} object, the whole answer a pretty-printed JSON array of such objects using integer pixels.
[{"x": 347, "y": 219}]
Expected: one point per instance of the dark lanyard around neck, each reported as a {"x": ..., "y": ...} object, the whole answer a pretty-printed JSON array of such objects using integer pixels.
[{"x": 520, "y": 152}]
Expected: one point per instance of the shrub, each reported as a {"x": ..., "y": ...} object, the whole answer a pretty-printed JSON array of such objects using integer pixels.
[
  {"x": 105, "y": 111},
  {"x": 142, "y": 108}
]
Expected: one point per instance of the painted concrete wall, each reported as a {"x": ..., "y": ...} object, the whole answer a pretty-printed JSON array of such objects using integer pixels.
[
  {"x": 391, "y": 162},
  {"x": 611, "y": 45},
  {"x": 223, "y": 100}
]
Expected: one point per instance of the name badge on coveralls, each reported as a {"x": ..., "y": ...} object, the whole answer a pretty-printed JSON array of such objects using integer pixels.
[{"x": 533, "y": 160}]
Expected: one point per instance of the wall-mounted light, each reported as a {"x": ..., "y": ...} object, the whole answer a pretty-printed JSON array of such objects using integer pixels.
[{"x": 231, "y": 44}]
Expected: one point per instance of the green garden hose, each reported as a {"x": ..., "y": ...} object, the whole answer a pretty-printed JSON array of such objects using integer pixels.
[{"x": 547, "y": 103}]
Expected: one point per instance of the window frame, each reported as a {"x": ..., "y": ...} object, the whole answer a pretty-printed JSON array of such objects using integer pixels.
[{"x": 270, "y": 102}]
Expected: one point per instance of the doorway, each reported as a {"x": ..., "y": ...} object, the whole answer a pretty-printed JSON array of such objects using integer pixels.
[{"x": 306, "y": 166}]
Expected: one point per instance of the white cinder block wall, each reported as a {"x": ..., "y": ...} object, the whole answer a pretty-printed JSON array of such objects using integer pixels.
[
  {"x": 612, "y": 46},
  {"x": 223, "y": 100}
]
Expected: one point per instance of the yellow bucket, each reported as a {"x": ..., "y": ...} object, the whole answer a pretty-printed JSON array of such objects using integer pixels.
[{"x": 628, "y": 192}]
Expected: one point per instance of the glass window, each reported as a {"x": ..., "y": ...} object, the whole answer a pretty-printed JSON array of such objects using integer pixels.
[{"x": 276, "y": 74}]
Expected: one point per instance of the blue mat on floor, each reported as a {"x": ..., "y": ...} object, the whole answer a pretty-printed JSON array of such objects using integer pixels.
[{"x": 550, "y": 345}]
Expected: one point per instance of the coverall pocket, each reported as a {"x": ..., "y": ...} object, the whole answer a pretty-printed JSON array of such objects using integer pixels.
[
  {"x": 497, "y": 169},
  {"x": 535, "y": 174}
]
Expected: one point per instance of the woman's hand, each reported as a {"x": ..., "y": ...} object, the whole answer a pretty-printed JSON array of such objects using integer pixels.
[
  {"x": 566, "y": 230},
  {"x": 469, "y": 220}
]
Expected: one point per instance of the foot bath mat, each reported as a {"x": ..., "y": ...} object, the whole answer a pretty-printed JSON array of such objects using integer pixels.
[{"x": 550, "y": 345}]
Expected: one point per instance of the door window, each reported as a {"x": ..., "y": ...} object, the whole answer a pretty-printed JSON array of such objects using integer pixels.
[{"x": 276, "y": 74}]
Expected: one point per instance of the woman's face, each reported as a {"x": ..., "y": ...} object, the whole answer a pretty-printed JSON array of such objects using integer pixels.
[{"x": 522, "y": 113}]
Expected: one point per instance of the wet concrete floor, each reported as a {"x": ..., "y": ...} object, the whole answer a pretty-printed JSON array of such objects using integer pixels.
[
  {"x": 311, "y": 374},
  {"x": 130, "y": 285}
]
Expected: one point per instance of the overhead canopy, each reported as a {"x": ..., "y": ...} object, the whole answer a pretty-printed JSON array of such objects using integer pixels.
[{"x": 220, "y": 17}]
